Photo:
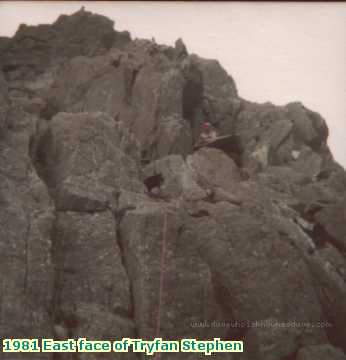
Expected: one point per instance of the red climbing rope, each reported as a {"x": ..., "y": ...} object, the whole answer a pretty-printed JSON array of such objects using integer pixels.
[{"x": 162, "y": 278}]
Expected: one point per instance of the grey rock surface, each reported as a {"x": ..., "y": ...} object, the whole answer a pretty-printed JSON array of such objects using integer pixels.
[
  {"x": 113, "y": 224},
  {"x": 92, "y": 291},
  {"x": 26, "y": 217},
  {"x": 321, "y": 352}
]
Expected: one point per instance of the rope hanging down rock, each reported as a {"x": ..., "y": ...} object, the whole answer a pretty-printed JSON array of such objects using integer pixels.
[{"x": 162, "y": 278}]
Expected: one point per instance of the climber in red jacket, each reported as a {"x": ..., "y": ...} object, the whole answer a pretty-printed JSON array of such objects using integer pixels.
[{"x": 208, "y": 134}]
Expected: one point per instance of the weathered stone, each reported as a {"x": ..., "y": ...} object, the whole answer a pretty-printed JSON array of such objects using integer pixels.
[
  {"x": 309, "y": 127},
  {"x": 92, "y": 296},
  {"x": 333, "y": 219},
  {"x": 26, "y": 268},
  {"x": 328, "y": 268},
  {"x": 180, "y": 49},
  {"x": 216, "y": 81},
  {"x": 97, "y": 136},
  {"x": 278, "y": 133},
  {"x": 174, "y": 137},
  {"x": 219, "y": 103},
  {"x": 34, "y": 48},
  {"x": 261, "y": 157},
  {"x": 81, "y": 158},
  {"x": 287, "y": 130},
  {"x": 241, "y": 259},
  {"x": 154, "y": 250},
  {"x": 179, "y": 178},
  {"x": 26, "y": 215},
  {"x": 282, "y": 176},
  {"x": 4, "y": 104},
  {"x": 308, "y": 162},
  {"x": 3, "y": 93},
  {"x": 315, "y": 193},
  {"x": 320, "y": 352},
  {"x": 213, "y": 168}
]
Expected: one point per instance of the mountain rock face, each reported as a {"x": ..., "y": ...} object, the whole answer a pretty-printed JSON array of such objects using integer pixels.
[{"x": 112, "y": 224}]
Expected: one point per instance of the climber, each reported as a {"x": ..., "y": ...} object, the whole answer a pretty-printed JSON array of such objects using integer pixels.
[{"x": 207, "y": 135}]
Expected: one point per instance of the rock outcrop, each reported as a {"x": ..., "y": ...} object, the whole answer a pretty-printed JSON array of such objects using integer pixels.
[{"x": 113, "y": 225}]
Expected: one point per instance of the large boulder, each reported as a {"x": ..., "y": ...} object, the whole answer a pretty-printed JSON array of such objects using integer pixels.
[
  {"x": 81, "y": 157},
  {"x": 291, "y": 134},
  {"x": 92, "y": 291},
  {"x": 214, "y": 168},
  {"x": 259, "y": 277},
  {"x": 171, "y": 284},
  {"x": 209, "y": 94},
  {"x": 174, "y": 137},
  {"x": 178, "y": 178},
  {"x": 207, "y": 173},
  {"x": 308, "y": 126}
]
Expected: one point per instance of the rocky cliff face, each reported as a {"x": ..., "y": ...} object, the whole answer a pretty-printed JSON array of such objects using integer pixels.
[{"x": 254, "y": 231}]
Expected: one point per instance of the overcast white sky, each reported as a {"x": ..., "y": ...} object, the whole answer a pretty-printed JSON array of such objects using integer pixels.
[{"x": 278, "y": 52}]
